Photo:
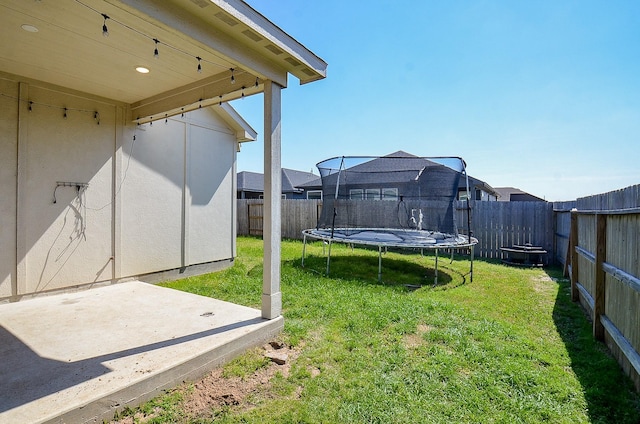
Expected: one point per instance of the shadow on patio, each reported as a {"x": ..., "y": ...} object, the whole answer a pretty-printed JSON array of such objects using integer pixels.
[{"x": 78, "y": 357}]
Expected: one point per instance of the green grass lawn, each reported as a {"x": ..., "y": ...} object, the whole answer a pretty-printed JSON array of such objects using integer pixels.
[{"x": 509, "y": 347}]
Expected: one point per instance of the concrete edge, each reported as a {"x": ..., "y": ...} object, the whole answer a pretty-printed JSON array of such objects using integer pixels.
[{"x": 104, "y": 409}]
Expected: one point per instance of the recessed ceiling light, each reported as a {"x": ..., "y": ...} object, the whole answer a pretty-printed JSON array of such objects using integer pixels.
[
  {"x": 142, "y": 69},
  {"x": 29, "y": 28}
]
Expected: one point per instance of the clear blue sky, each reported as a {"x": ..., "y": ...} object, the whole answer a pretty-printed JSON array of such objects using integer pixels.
[{"x": 543, "y": 96}]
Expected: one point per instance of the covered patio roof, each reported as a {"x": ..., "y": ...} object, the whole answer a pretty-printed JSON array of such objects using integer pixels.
[
  {"x": 208, "y": 51},
  {"x": 196, "y": 53}
]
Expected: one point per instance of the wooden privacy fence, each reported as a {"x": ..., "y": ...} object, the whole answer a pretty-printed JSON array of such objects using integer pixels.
[
  {"x": 495, "y": 224},
  {"x": 297, "y": 215},
  {"x": 604, "y": 264},
  {"x": 562, "y": 223},
  {"x": 504, "y": 224}
]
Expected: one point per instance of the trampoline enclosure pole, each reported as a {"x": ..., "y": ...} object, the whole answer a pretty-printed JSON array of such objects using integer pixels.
[
  {"x": 471, "y": 270},
  {"x": 469, "y": 220},
  {"x": 335, "y": 200},
  {"x": 379, "y": 264},
  {"x": 329, "y": 258},
  {"x": 304, "y": 247},
  {"x": 435, "y": 281}
]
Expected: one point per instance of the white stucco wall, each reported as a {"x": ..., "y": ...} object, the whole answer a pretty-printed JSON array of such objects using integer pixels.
[
  {"x": 152, "y": 198},
  {"x": 173, "y": 191},
  {"x": 211, "y": 194},
  {"x": 67, "y": 242},
  {"x": 8, "y": 171},
  {"x": 196, "y": 155}
]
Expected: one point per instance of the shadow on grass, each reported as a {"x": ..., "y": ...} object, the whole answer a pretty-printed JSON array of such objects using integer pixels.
[
  {"x": 609, "y": 393},
  {"x": 395, "y": 271}
]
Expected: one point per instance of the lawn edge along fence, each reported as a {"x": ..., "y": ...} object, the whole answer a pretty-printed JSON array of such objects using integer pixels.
[{"x": 595, "y": 238}]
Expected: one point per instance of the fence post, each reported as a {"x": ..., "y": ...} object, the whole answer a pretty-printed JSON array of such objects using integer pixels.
[
  {"x": 599, "y": 290},
  {"x": 573, "y": 243}
]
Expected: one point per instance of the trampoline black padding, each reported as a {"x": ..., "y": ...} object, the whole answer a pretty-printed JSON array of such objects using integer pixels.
[{"x": 389, "y": 237}]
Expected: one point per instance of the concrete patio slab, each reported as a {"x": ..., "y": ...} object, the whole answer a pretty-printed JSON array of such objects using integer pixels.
[{"x": 77, "y": 357}]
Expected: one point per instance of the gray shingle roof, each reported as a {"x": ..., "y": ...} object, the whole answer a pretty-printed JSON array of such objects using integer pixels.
[
  {"x": 250, "y": 181},
  {"x": 291, "y": 180}
]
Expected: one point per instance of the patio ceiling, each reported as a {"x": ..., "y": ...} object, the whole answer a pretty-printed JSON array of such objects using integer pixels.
[{"x": 69, "y": 49}]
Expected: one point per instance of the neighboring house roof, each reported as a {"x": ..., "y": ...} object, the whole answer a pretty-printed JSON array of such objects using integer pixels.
[
  {"x": 250, "y": 182},
  {"x": 315, "y": 184},
  {"x": 209, "y": 51},
  {"x": 291, "y": 180},
  {"x": 512, "y": 194},
  {"x": 478, "y": 184}
]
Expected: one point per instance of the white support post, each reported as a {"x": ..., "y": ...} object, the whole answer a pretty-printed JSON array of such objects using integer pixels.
[{"x": 271, "y": 295}]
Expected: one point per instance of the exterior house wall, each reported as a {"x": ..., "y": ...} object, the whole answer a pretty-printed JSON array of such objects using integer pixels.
[
  {"x": 249, "y": 195},
  {"x": 173, "y": 188},
  {"x": 211, "y": 183},
  {"x": 152, "y": 215},
  {"x": 8, "y": 172},
  {"x": 296, "y": 195},
  {"x": 64, "y": 232},
  {"x": 484, "y": 196}
]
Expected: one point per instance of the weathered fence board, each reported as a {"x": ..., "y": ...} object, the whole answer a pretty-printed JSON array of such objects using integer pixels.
[
  {"x": 607, "y": 248},
  {"x": 562, "y": 224},
  {"x": 297, "y": 215},
  {"x": 625, "y": 198},
  {"x": 504, "y": 224}
]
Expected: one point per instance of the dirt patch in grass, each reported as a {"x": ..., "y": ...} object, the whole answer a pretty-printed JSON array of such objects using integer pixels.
[
  {"x": 543, "y": 283},
  {"x": 415, "y": 340},
  {"x": 208, "y": 396}
]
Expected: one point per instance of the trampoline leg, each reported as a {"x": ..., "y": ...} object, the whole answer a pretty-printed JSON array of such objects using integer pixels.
[
  {"x": 471, "y": 268},
  {"x": 304, "y": 248},
  {"x": 329, "y": 258},
  {"x": 379, "y": 264},
  {"x": 435, "y": 281}
]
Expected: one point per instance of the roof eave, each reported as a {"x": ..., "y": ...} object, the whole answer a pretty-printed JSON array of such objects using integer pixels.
[
  {"x": 311, "y": 67},
  {"x": 244, "y": 132}
]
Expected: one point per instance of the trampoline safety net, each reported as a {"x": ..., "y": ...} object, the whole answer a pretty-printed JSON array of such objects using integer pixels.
[{"x": 395, "y": 192}]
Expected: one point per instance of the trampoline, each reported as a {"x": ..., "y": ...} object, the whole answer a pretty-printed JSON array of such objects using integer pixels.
[{"x": 399, "y": 201}]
